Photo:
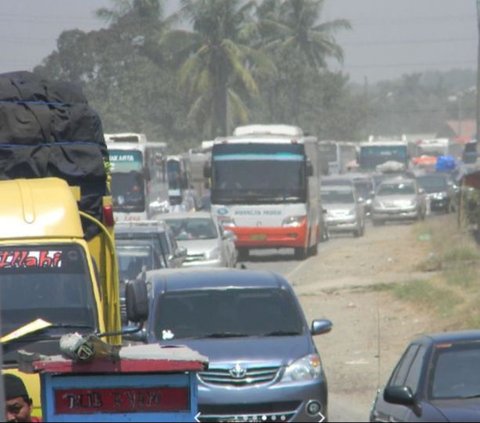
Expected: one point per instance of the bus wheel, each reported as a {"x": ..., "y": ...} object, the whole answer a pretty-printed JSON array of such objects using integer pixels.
[
  {"x": 243, "y": 254},
  {"x": 313, "y": 250},
  {"x": 300, "y": 253}
]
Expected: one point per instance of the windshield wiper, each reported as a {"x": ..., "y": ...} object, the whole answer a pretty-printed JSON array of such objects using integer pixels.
[
  {"x": 282, "y": 333},
  {"x": 471, "y": 396},
  {"x": 223, "y": 335}
]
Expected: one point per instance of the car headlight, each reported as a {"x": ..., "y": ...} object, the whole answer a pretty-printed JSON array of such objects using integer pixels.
[
  {"x": 440, "y": 195},
  {"x": 213, "y": 255},
  {"x": 351, "y": 212},
  {"x": 293, "y": 221},
  {"x": 412, "y": 203},
  {"x": 304, "y": 369},
  {"x": 378, "y": 204},
  {"x": 226, "y": 221}
]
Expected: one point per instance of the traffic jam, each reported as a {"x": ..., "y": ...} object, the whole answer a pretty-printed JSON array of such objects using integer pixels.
[{"x": 126, "y": 289}]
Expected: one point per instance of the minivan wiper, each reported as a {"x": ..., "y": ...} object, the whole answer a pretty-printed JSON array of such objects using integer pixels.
[
  {"x": 470, "y": 396},
  {"x": 282, "y": 333},
  {"x": 224, "y": 335}
]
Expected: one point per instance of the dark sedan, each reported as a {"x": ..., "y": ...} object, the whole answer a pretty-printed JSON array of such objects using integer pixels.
[{"x": 436, "y": 379}]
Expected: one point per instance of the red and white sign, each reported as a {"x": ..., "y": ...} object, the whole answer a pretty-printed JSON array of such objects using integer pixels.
[{"x": 121, "y": 400}]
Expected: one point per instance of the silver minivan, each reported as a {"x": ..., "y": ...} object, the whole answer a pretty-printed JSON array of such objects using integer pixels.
[
  {"x": 398, "y": 198},
  {"x": 345, "y": 212}
]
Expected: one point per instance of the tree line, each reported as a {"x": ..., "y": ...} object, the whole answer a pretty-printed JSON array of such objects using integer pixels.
[{"x": 214, "y": 64}]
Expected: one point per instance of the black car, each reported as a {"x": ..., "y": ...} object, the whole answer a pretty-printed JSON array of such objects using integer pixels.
[
  {"x": 441, "y": 191},
  {"x": 437, "y": 379}
]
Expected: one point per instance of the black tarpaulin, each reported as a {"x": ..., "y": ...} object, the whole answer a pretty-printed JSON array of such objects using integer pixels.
[{"x": 48, "y": 129}]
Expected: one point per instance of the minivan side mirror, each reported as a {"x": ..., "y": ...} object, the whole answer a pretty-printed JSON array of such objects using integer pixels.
[
  {"x": 136, "y": 299},
  {"x": 321, "y": 326},
  {"x": 401, "y": 395}
]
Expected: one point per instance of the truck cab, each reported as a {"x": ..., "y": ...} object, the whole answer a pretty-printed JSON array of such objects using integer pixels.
[{"x": 52, "y": 281}]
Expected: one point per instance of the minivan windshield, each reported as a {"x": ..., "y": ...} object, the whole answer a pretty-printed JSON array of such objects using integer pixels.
[
  {"x": 339, "y": 196},
  {"x": 215, "y": 313},
  {"x": 400, "y": 188},
  {"x": 50, "y": 282}
]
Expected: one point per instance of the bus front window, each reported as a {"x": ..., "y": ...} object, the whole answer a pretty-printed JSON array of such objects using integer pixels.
[{"x": 128, "y": 192}]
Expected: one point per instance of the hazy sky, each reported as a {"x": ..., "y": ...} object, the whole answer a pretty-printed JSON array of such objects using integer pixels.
[{"x": 389, "y": 37}]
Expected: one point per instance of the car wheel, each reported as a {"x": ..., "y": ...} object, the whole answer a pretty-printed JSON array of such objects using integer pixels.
[
  {"x": 313, "y": 250},
  {"x": 300, "y": 253}
]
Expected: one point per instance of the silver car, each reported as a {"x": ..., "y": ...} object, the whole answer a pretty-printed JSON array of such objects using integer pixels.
[
  {"x": 344, "y": 211},
  {"x": 398, "y": 199},
  {"x": 207, "y": 243}
]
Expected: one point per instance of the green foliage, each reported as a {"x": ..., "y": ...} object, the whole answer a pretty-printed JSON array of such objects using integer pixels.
[{"x": 215, "y": 64}]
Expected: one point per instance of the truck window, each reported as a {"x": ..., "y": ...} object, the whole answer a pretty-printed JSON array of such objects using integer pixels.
[{"x": 51, "y": 282}]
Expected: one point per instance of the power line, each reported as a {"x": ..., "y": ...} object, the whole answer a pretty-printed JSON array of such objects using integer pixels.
[
  {"x": 408, "y": 42},
  {"x": 405, "y": 65}
]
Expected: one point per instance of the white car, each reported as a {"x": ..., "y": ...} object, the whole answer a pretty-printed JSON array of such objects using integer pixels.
[{"x": 207, "y": 243}]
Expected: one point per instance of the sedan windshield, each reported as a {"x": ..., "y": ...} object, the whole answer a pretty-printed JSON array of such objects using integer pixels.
[
  {"x": 48, "y": 282},
  {"x": 230, "y": 312},
  {"x": 132, "y": 258},
  {"x": 455, "y": 371},
  {"x": 193, "y": 228},
  {"x": 433, "y": 183}
]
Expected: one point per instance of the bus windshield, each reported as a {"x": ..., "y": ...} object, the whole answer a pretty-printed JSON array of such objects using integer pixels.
[
  {"x": 258, "y": 173},
  {"x": 51, "y": 282},
  {"x": 372, "y": 156},
  {"x": 128, "y": 192},
  {"x": 258, "y": 181}
]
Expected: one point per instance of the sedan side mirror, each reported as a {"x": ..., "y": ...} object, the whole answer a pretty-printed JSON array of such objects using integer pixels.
[{"x": 401, "y": 395}]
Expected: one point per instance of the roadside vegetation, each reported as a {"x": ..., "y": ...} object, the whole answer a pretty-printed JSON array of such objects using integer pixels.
[{"x": 454, "y": 263}]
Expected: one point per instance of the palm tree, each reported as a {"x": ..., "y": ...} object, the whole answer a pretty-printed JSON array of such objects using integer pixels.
[
  {"x": 292, "y": 30},
  {"x": 219, "y": 64}
]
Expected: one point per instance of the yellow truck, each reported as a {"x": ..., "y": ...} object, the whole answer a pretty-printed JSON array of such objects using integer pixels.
[
  {"x": 50, "y": 273},
  {"x": 58, "y": 269}
]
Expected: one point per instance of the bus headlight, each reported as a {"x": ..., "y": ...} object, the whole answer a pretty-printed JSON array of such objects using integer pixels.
[
  {"x": 306, "y": 368},
  {"x": 293, "y": 221}
]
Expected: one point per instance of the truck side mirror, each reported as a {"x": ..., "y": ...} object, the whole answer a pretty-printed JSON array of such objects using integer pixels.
[{"x": 136, "y": 298}]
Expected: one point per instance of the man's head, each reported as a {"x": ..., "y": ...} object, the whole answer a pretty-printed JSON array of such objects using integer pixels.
[{"x": 18, "y": 405}]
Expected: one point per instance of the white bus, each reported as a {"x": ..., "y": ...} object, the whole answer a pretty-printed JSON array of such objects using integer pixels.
[
  {"x": 138, "y": 174},
  {"x": 264, "y": 187}
]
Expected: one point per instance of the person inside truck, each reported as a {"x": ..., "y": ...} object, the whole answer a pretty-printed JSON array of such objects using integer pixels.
[{"x": 18, "y": 404}]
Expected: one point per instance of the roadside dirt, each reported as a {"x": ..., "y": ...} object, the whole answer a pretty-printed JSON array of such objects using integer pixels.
[{"x": 371, "y": 328}]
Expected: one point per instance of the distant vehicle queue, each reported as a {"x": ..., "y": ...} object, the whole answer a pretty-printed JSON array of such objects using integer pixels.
[{"x": 264, "y": 184}]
